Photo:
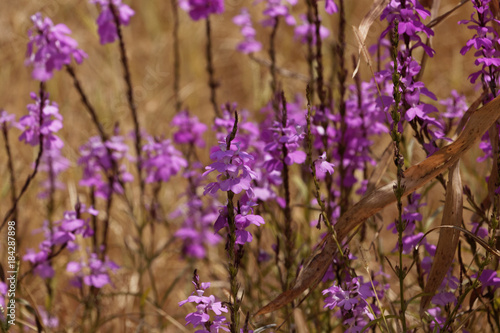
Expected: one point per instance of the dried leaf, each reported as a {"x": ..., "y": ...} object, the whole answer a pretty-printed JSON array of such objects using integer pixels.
[
  {"x": 448, "y": 238},
  {"x": 362, "y": 31},
  {"x": 472, "y": 108},
  {"x": 415, "y": 177}
]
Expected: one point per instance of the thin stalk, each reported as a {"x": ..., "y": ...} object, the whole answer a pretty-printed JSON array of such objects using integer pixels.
[
  {"x": 212, "y": 83},
  {"x": 288, "y": 232},
  {"x": 399, "y": 161},
  {"x": 10, "y": 167},
  {"x": 234, "y": 257},
  {"x": 177, "y": 55},
  {"x": 37, "y": 161},
  {"x": 131, "y": 102},
  {"x": 272, "y": 56}
]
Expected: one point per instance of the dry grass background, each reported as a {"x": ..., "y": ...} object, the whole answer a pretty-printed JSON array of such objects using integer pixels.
[{"x": 150, "y": 51}]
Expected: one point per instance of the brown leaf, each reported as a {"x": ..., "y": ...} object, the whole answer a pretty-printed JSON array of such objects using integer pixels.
[
  {"x": 426, "y": 3},
  {"x": 415, "y": 177},
  {"x": 362, "y": 30},
  {"x": 448, "y": 238}
]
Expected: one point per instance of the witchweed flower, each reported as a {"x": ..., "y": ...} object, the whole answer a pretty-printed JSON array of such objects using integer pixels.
[
  {"x": 205, "y": 305},
  {"x": 106, "y": 23},
  {"x": 250, "y": 44},
  {"x": 49, "y": 124},
  {"x": 50, "y": 48}
]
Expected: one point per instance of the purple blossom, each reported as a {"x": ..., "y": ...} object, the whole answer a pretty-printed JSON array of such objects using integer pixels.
[
  {"x": 52, "y": 163},
  {"x": 204, "y": 305},
  {"x": 40, "y": 259},
  {"x": 201, "y": 9},
  {"x": 489, "y": 278},
  {"x": 50, "y": 124},
  {"x": 106, "y": 22},
  {"x": 190, "y": 130},
  {"x": 96, "y": 163},
  {"x": 7, "y": 119},
  {"x": 94, "y": 272},
  {"x": 197, "y": 231},
  {"x": 162, "y": 160},
  {"x": 50, "y": 48},
  {"x": 352, "y": 300},
  {"x": 250, "y": 44},
  {"x": 485, "y": 41},
  {"x": 235, "y": 175},
  {"x": 307, "y": 31},
  {"x": 277, "y": 8},
  {"x": 323, "y": 166},
  {"x": 243, "y": 219},
  {"x": 331, "y": 7}
]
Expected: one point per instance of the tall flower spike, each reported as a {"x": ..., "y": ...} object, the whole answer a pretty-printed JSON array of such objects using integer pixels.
[
  {"x": 250, "y": 44},
  {"x": 106, "y": 22},
  {"x": 50, "y": 123},
  {"x": 201, "y": 9},
  {"x": 50, "y": 48}
]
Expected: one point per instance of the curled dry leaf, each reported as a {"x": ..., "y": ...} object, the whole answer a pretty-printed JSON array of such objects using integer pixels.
[
  {"x": 448, "y": 238},
  {"x": 414, "y": 178},
  {"x": 362, "y": 31}
]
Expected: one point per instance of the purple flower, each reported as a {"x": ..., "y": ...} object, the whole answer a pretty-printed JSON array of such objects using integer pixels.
[
  {"x": 331, "y": 7},
  {"x": 50, "y": 124},
  {"x": 489, "y": 278},
  {"x": 307, "y": 31},
  {"x": 6, "y": 119},
  {"x": 162, "y": 160},
  {"x": 235, "y": 175},
  {"x": 197, "y": 232},
  {"x": 201, "y": 9},
  {"x": 96, "y": 163},
  {"x": 277, "y": 8},
  {"x": 204, "y": 304},
  {"x": 106, "y": 22},
  {"x": 250, "y": 44},
  {"x": 43, "y": 268},
  {"x": 485, "y": 41},
  {"x": 53, "y": 163},
  {"x": 323, "y": 166},
  {"x": 50, "y": 48},
  {"x": 190, "y": 130},
  {"x": 94, "y": 273}
]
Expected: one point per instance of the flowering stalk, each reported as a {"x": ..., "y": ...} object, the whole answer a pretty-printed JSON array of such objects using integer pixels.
[
  {"x": 233, "y": 256},
  {"x": 37, "y": 160},
  {"x": 399, "y": 189},
  {"x": 130, "y": 99}
]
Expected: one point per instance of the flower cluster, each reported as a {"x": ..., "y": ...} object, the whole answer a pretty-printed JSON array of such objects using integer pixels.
[
  {"x": 235, "y": 175},
  {"x": 306, "y": 32},
  {"x": 197, "y": 232},
  {"x": 53, "y": 163},
  {"x": 49, "y": 124},
  {"x": 190, "y": 130},
  {"x": 162, "y": 160},
  {"x": 202, "y": 9},
  {"x": 50, "y": 47},
  {"x": 106, "y": 22},
  {"x": 94, "y": 273},
  {"x": 352, "y": 301},
  {"x": 283, "y": 146},
  {"x": 98, "y": 159},
  {"x": 204, "y": 305},
  {"x": 277, "y": 8},
  {"x": 486, "y": 41},
  {"x": 63, "y": 233},
  {"x": 250, "y": 44},
  {"x": 242, "y": 220}
]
